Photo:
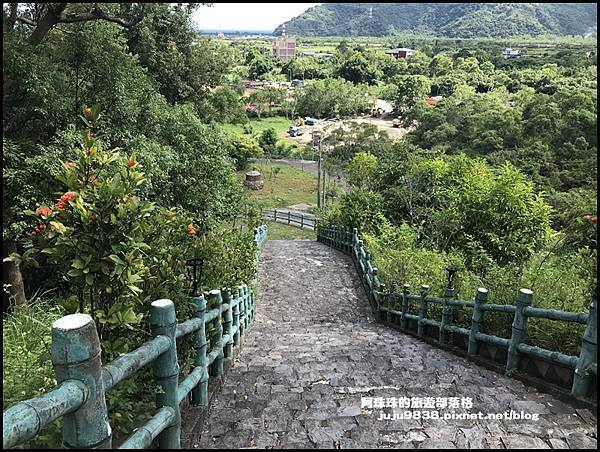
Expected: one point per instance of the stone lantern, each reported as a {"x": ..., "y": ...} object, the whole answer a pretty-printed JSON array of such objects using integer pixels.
[{"x": 253, "y": 180}]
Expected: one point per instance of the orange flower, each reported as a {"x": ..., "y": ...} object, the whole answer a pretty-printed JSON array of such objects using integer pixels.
[
  {"x": 87, "y": 111},
  {"x": 90, "y": 150},
  {"x": 43, "y": 211},
  {"x": 585, "y": 218},
  {"x": 68, "y": 196},
  {"x": 191, "y": 230},
  {"x": 69, "y": 164},
  {"x": 594, "y": 219},
  {"x": 131, "y": 163},
  {"x": 60, "y": 205},
  {"x": 93, "y": 217}
]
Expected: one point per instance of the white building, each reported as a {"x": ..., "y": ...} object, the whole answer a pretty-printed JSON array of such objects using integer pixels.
[{"x": 510, "y": 53}]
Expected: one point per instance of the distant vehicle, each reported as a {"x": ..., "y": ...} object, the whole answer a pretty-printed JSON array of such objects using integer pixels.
[
  {"x": 310, "y": 121},
  {"x": 295, "y": 132}
]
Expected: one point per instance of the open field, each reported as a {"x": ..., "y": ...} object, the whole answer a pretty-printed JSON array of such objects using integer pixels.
[
  {"x": 289, "y": 186},
  {"x": 279, "y": 123},
  {"x": 278, "y": 231}
]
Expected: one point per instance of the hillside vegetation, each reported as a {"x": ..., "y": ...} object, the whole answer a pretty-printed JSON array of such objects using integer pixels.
[{"x": 464, "y": 20}]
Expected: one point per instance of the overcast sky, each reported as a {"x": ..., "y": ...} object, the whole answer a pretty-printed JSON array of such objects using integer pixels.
[{"x": 247, "y": 16}]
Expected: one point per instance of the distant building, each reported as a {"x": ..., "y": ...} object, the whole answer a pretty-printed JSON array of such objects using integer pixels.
[
  {"x": 510, "y": 53},
  {"x": 400, "y": 52},
  {"x": 323, "y": 55},
  {"x": 221, "y": 35},
  {"x": 433, "y": 100},
  {"x": 284, "y": 47}
]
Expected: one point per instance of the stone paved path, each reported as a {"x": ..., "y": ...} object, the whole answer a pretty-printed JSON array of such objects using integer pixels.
[{"x": 314, "y": 350}]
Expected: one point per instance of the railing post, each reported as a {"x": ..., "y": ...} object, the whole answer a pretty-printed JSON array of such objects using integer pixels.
[
  {"x": 354, "y": 243},
  {"x": 250, "y": 302},
  {"x": 166, "y": 370},
  {"x": 289, "y": 217},
  {"x": 405, "y": 293},
  {"x": 477, "y": 319},
  {"x": 446, "y": 319},
  {"x": 76, "y": 356},
  {"x": 519, "y": 328},
  {"x": 200, "y": 392},
  {"x": 227, "y": 322},
  {"x": 216, "y": 342},
  {"x": 390, "y": 302},
  {"x": 242, "y": 311},
  {"x": 582, "y": 380},
  {"x": 275, "y": 215},
  {"x": 236, "y": 319},
  {"x": 422, "y": 310}
]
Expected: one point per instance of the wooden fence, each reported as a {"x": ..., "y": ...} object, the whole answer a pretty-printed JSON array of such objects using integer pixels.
[
  {"x": 393, "y": 308},
  {"x": 83, "y": 381},
  {"x": 291, "y": 218}
]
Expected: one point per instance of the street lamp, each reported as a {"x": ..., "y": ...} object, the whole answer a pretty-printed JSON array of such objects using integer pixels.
[
  {"x": 451, "y": 277},
  {"x": 194, "y": 270}
]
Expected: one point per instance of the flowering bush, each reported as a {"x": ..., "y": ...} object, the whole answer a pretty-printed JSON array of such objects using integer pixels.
[{"x": 95, "y": 234}]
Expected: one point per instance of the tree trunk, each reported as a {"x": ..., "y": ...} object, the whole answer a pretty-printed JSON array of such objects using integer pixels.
[{"x": 12, "y": 276}]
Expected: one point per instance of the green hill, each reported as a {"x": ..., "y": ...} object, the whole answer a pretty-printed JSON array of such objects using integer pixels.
[{"x": 464, "y": 20}]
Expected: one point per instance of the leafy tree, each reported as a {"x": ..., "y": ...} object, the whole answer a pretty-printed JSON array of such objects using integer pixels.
[
  {"x": 361, "y": 169},
  {"x": 410, "y": 89},
  {"x": 260, "y": 66},
  {"x": 265, "y": 98},
  {"x": 242, "y": 148},
  {"x": 331, "y": 97},
  {"x": 268, "y": 141},
  {"x": 357, "y": 69}
]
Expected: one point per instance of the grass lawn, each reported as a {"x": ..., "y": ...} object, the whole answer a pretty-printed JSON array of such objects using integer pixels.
[
  {"x": 280, "y": 123},
  {"x": 290, "y": 186},
  {"x": 278, "y": 231}
]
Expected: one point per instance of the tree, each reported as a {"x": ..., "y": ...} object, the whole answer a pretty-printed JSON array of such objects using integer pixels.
[
  {"x": 268, "y": 141},
  {"x": 265, "y": 98},
  {"x": 357, "y": 69},
  {"x": 361, "y": 169},
  {"x": 410, "y": 89},
  {"x": 330, "y": 97},
  {"x": 241, "y": 149},
  {"x": 42, "y": 17},
  {"x": 259, "y": 66}
]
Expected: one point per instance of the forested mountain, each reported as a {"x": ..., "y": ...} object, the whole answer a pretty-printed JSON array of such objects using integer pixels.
[{"x": 465, "y": 20}]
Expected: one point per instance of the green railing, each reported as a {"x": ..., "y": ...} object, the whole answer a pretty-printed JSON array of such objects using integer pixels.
[
  {"x": 291, "y": 218},
  {"x": 83, "y": 381},
  {"x": 389, "y": 306}
]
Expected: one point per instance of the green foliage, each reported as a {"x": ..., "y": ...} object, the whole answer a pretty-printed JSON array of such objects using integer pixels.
[
  {"x": 221, "y": 104},
  {"x": 242, "y": 148},
  {"x": 410, "y": 89},
  {"x": 361, "y": 169},
  {"x": 357, "y": 69},
  {"x": 27, "y": 369},
  {"x": 332, "y": 97},
  {"x": 268, "y": 141}
]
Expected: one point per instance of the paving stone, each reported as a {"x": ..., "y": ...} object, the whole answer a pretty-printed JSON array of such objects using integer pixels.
[
  {"x": 523, "y": 442},
  {"x": 581, "y": 441},
  {"x": 314, "y": 350},
  {"x": 558, "y": 443}
]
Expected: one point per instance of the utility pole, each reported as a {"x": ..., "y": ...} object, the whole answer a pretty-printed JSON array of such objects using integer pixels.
[
  {"x": 314, "y": 136},
  {"x": 324, "y": 187}
]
